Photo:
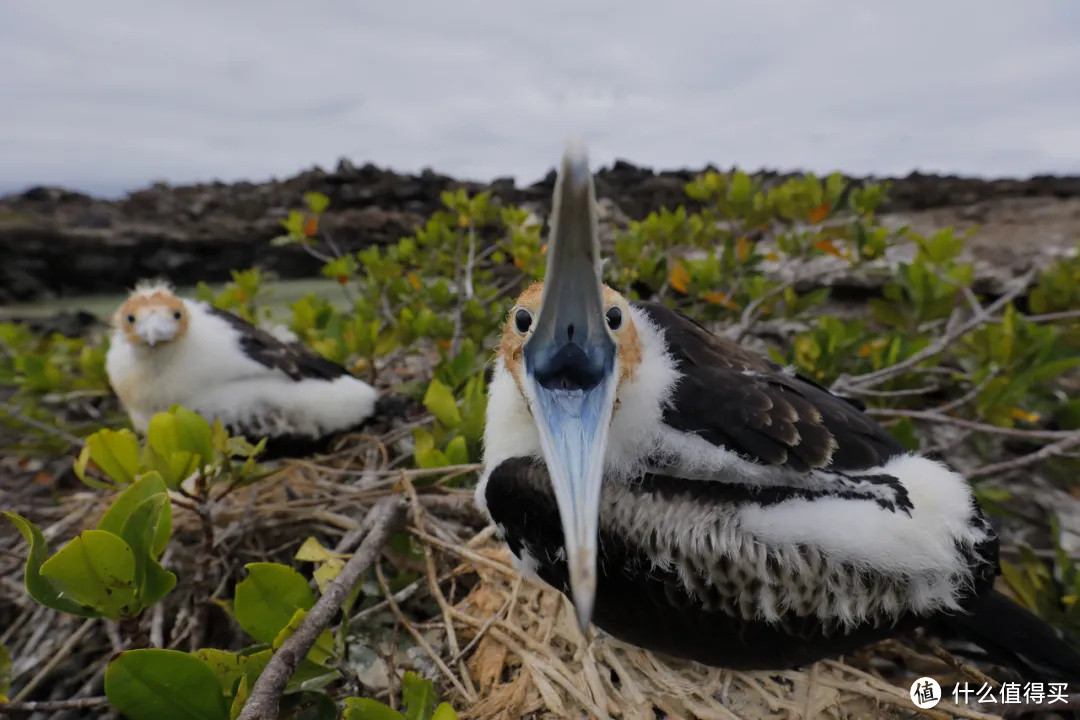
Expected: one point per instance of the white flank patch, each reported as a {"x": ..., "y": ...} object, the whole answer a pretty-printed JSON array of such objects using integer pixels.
[{"x": 862, "y": 533}]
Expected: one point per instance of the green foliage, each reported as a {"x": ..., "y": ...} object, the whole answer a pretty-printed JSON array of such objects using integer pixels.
[
  {"x": 113, "y": 570},
  {"x": 51, "y": 364},
  {"x": 164, "y": 685},
  {"x": 713, "y": 264},
  {"x": 179, "y": 444},
  {"x": 49, "y": 379},
  {"x": 929, "y": 287},
  {"x": 268, "y": 597},
  {"x": 242, "y": 296},
  {"x": 1052, "y": 593},
  {"x": 1016, "y": 362},
  {"x": 418, "y": 699},
  {"x": 1057, "y": 288}
]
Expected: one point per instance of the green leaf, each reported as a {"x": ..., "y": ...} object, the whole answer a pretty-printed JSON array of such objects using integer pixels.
[
  {"x": 164, "y": 685},
  {"x": 440, "y": 402},
  {"x": 140, "y": 531},
  {"x": 115, "y": 452},
  {"x": 125, "y": 503},
  {"x": 322, "y": 652},
  {"x": 97, "y": 568},
  {"x": 5, "y": 672},
  {"x": 444, "y": 712},
  {"x": 368, "y": 709},
  {"x": 43, "y": 589},
  {"x": 457, "y": 452},
  {"x": 418, "y": 697},
  {"x": 316, "y": 202},
  {"x": 242, "y": 691},
  {"x": 181, "y": 430},
  {"x": 268, "y": 597},
  {"x": 227, "y": 667}
]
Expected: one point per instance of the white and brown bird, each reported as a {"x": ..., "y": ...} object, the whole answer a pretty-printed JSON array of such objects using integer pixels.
[
  {"x": 166, "y": 350},
  {"x": 695, "y": 498}
]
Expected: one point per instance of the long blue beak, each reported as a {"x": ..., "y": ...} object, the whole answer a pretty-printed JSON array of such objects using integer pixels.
[{"x": 570, "y": 370}]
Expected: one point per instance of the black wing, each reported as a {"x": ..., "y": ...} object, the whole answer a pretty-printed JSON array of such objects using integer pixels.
[
  {"x": 293, "y": 359},
  {"x": 737, "y": 399}
]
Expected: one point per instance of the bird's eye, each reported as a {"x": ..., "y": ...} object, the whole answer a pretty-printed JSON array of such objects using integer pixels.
[
  {"x": 614, "y": 318},
  {"x": 523, "y": 320},
  {"x": 176, "y": 315},
  {"x": 131, "y": 318}
]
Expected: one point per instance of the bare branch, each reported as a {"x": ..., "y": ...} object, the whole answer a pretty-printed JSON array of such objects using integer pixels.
[
  {"x": 937, "y": 417},
  {"x": 752, "y": 311},
  {"x": 1043, "y": 453},
  {"x": 263, "y": 703},
  {"x": 846, "y": 384},
  {"x": 17, "y": 414},
  {"x": 464, "y": 286}
]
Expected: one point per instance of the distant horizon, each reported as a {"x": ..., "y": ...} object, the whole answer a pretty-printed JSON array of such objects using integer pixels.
[
  {"x": 106, "y": 97},
  {"x": 117, "y": 194}
]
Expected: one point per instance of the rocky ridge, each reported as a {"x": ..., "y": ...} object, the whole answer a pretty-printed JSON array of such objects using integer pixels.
[{"x": 54, "y": 242}]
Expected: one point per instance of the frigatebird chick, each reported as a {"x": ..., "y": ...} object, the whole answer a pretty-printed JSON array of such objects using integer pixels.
[
  {"x": 694, "y": 498},
  {"x": 166, "y": 350}
]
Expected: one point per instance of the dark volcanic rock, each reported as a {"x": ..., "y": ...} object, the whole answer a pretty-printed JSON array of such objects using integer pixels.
[{"x": 55, "y": 242}]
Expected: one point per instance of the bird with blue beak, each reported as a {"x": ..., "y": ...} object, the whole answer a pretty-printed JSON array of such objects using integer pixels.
[{"x": 694, "y": 498}]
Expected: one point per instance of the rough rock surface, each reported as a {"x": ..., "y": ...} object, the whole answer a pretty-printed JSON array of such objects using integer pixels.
[{"x": 54, "y": 242}]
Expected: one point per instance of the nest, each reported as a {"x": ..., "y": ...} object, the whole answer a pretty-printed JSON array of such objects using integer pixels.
[
  {"x": 528, "y": 658},
  {"x": 497, "y": 644}
]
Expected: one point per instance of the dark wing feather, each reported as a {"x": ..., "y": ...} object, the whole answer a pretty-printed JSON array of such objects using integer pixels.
[
  {"x": 293, "y": 359},
  {"x": 737, "y": 399}
]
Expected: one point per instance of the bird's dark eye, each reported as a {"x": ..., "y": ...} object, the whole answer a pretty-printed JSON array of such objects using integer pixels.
[
  {"x": 522, "y": 320},
  {"x": 131, "y": 318},
  {"x": 614, "y": 318},
  {"x": 176, "y": 315}
]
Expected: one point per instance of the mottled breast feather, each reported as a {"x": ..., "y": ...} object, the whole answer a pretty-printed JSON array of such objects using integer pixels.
[{"x": 733, "y": 604}]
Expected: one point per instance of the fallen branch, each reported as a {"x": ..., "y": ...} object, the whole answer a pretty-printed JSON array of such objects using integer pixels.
[
  {"x": 36, "y": 706},
  {"x": 263, "y": 703}
]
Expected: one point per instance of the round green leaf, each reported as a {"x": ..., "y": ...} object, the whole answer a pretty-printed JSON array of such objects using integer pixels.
[
  {"x": 124, "y": 505},
  {"x": 97, "y": 568},
  {"x": 268, "y": 597},
  {"x": 164, "y": 685},
  {"x": 368, "y": 709},
  {"x": 440, "y": 402}
]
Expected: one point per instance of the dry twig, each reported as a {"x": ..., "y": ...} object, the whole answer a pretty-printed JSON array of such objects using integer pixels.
[{"x": 263, "y": 703}]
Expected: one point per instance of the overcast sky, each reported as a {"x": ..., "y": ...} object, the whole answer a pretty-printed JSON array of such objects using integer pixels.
[{"x": 108, "y": 95}]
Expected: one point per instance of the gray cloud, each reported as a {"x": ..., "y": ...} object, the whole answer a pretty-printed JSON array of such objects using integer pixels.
[{"x": 109, "y": 95}]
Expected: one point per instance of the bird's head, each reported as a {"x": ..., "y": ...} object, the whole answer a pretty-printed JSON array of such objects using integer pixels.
[
  {"x": 152, "y": 316},
  {"x": 570, "y": 342}
]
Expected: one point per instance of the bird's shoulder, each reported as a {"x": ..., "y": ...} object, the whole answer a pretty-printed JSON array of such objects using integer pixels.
[
  {"x": 293, "y": 359},
  {"x": 739, "y": 400}
]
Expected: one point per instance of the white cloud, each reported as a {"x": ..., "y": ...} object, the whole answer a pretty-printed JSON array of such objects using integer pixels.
[{"x": 109, "y": 95}]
